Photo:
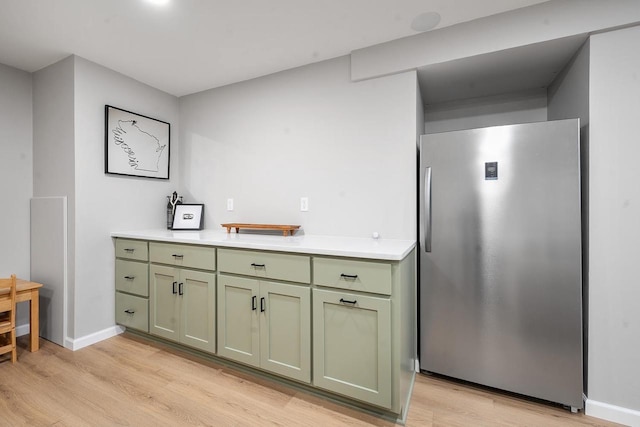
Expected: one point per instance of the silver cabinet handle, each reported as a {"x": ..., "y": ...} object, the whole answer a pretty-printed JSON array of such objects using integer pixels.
[{"x": 427, "y": 209}]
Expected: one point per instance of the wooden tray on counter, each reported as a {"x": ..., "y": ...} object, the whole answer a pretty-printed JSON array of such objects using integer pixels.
[{"x": 287, "y": 230}]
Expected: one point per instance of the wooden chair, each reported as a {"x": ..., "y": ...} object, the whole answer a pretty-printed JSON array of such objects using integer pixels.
[{"x": 8, "y": 317}]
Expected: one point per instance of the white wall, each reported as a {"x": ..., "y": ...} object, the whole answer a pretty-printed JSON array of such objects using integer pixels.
[
  {"x": 568, "y": 98},
  {"x": 348, "y": 147},
  {"x": 69, "y": 99},
  {"x": 105, "y": 203},
  {"x": 614, "y": 227},
  {"x": 53, "y": 153},
  {"x": 568, "y": 94},
  {"x": 16, "y": 174},
  {"x": 525, "y": 107}
]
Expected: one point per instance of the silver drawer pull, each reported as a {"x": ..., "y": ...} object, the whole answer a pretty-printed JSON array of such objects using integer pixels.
[
  {"x": 129, "y": 277},
  {"x": 177, "y": 256},
  {"x": 349, "y": 276},
  {"x": 129, "y": 311},
  {"x": 254, "y": 265},
  {"x": 344, "y": 301},
  {"x": 129, "y": 250}
]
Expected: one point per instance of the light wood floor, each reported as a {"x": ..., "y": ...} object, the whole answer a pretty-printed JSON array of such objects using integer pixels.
[{"x": 125, "y": 381}]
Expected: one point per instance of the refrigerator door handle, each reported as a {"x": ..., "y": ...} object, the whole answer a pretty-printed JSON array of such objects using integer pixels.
[{"x": 427, "y": 209}]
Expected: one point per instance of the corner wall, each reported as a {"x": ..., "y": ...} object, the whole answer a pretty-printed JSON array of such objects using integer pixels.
[
  {"x": 614, "y": 226},
  {"x": 105, "y": 203},
  {"x": 69, "y": 99},
  {"x": 569, "y": 98},
  {"x": 53, "y": 153}
]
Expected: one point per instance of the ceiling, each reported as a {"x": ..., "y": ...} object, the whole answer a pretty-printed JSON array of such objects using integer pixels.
[{"x": 192, "y": 45}]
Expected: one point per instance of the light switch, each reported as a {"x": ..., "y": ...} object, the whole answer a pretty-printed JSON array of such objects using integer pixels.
[{"x": 304, "y": 204}]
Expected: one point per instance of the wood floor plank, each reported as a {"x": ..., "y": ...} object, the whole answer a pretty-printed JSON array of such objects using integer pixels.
[{"x": 128, "y": 381}]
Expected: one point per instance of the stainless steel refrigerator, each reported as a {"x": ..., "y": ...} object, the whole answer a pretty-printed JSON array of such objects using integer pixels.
[{"x": 500, "y": 258}]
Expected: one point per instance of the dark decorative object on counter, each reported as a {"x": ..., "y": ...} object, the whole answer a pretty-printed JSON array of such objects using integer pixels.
[{"x": 173, "y": 200}]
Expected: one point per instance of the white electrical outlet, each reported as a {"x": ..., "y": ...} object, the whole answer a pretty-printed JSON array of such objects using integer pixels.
[
  {"x": 304, "y": 204},
  {"x": 229, "y": 204}
]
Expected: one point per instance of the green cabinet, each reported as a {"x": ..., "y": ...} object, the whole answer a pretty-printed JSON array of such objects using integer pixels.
[
  {"x": 364, "y": 329},
  {"x": 132, "y": 311},
  {"x": 266, "y": 325},
  {"x": 183, "y": 305},
  {"x": 185, "y": 256},
  {"x": 238, "y": 321},
  {"x": 261, "y": 322},
  {"x": 352, "y": 345},
  {"x": 285, "y": 330},
  {"x": 137, "y": 250},
  {"x": 132, "y": 277},
  {"x": 265, "y": 265},
  {"x": 132, "y": 284},
  {"x": 343, "y": 325}
]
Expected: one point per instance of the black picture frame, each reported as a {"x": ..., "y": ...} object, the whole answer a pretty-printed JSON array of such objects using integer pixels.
[
  {"x": 188, "y": 216},
  {"x": 136, "y": 145}
]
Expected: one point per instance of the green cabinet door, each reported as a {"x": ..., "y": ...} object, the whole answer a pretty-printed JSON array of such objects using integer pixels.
[
  {"x": 265, "y": 324},
  {"x": 164, "y": 315},
  {"x": 238, "y": 327},
  {"x": 352, "y": 345},
  {"x": 183, "y": 306},
  {"x": 285, "y": 330},
  {"x": 196, "y": 290}
]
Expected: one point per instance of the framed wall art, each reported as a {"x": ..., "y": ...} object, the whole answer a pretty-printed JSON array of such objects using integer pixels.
[
  {"x": 188, "y": 217},
  {"x": 135, "y": 145}
]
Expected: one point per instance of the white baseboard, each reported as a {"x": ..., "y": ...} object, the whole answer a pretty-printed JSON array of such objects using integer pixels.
[
  {"x": 78, "y": 343},
  {"x": 608, "y": 412},
  {"x": 22, "y": 330},
  {"x": 87, "y": 340}
]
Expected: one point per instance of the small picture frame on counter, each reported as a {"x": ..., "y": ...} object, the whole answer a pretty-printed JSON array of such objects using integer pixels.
[{"x": 188, "y": 217}]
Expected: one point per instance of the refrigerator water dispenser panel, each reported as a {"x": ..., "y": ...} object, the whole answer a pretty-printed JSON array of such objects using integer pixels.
[{"x": 491, "y": 170}]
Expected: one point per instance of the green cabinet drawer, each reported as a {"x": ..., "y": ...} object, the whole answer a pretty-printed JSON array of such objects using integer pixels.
[
  {"x": 132, "y": 311},
  {"x": 132, "y": 249},
  {"x": 132, "y": 277},
  {"x": 201, "y": 257},
  {"x": 365, "y": 276},
  {"x": 269, "y": 265}
]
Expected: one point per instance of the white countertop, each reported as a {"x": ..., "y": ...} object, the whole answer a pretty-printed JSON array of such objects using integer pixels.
[{"x": 383, "y": 249}]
